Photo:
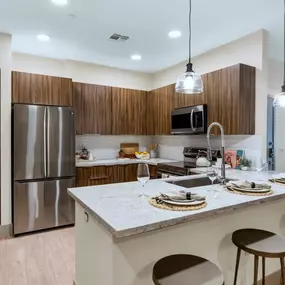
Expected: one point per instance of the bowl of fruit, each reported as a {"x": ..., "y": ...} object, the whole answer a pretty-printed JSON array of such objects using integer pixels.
[{"x": 142, "y": 155}]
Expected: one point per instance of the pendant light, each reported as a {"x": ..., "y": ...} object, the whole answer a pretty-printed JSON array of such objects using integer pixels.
[
  {"x": 279, "y": 99},
  {"x": 189, "y": 82}
]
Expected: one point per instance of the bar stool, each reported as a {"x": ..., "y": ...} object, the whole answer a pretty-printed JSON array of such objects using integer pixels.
[
  {"x": 183, "y": 269},
  {"x": 260, "y": 243}
]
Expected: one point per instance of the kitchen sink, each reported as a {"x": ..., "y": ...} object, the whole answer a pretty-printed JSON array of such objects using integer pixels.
[{"x": 197, "y": 182}]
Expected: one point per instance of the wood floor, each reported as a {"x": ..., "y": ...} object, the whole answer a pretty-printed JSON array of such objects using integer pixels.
[{"x": 39, "y": 259}]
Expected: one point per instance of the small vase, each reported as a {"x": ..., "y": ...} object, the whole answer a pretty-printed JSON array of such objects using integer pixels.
[{"x": 244, "y": 168}]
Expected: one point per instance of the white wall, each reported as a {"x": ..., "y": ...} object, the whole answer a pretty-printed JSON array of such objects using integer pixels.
[
  {"x": 250, "y": 50},
  {"x": 5, "y": 91},
  {"x": 82, "y": 72},
  {"x": 247, "y": 50}
]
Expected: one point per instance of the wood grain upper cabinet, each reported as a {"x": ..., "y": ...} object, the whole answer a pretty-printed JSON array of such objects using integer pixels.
[
  {"x": 230, "y": 94},
  {"x": 96, "y": 109},
  {"x": 77, "y": 105},
  {"x": 31, "y": 88},
  {"x": 128, "y": 111},
  {"x": 160, "y": 103}
]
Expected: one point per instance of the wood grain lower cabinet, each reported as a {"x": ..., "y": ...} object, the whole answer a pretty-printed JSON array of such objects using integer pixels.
[
  {"x": 31, "y": 88},
  {"x": 131, "y": 172},
  {"x": 153, "y": 171},
  {"x": 100, "y": 175}
]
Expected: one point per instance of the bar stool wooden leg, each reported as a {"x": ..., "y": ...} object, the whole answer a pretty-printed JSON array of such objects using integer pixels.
[
  {"x": 255, "y": 270},
  {"x": 263, "y": 270},
  {"x": 237, "y": 265},
  {"x": 282, "y": 271}
]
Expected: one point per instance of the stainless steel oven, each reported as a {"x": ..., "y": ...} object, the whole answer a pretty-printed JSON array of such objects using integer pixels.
[{"x": 189, "y": 120}]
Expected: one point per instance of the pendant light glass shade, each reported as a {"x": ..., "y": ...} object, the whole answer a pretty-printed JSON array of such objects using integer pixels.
[{"x": 189, "y": 83}]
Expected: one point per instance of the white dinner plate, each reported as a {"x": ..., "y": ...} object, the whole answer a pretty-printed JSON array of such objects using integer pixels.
[
  {"x": 251, "y": 190},
  {"x": 183, "y": 202}
]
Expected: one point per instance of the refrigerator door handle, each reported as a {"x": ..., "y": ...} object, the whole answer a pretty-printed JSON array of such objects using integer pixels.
[{"x": 45, "y": 142}]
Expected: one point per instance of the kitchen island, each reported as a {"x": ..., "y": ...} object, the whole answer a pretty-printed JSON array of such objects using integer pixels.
[{"x": 119, "y": 235}]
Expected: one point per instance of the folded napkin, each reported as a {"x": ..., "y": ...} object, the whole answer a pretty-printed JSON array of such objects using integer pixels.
[
  {"x": 180, "y": 196},
  {"x": 245, "y": 185}
]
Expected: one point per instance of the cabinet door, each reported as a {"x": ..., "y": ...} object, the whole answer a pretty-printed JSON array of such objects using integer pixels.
[
  {"x": 39, "y": 92},
  {"x": 77, "y": 105},
  {"x": 96, "y": 109},
  {"x": 118, "y": 174},
  {"x": 79, "y": 181},
  {"x": 100, "y": 175},
  {"x": 131, "y": 172},
  {"x": 66, "y": 98},
  {"x": 160, "y": 103},
  {"x": 21, "y": 87},
  {"x": 31, "y": 88},
  {"x": 230, "y": 96},
  {"x": 128, "y": 111},
  {"x": 153, "y": 171}
]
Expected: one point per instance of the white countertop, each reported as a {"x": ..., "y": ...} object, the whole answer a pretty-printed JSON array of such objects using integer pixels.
[
  {"x": 122, "y": 212},
  {"x": 151, "y": 161}
]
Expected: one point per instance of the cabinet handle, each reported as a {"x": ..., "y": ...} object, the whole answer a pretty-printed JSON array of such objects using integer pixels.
[{"x": 98, "y": 178}]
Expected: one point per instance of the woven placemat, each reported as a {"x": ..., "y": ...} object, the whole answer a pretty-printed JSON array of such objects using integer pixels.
[
  {"x": 248, "y": 193},
  {"x": 176, "y": 208}
]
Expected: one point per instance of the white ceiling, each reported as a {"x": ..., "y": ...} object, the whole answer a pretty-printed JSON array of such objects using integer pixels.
[{"x": 147, "y": 22}]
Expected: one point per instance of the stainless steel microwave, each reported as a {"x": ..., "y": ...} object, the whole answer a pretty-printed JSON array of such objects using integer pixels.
[{"x": 189, "y": 120}]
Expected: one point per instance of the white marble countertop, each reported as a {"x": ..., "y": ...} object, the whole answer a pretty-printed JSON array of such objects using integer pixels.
[
  {"x": 123, "y": 213},
  {"x": 151, "y": 161}
]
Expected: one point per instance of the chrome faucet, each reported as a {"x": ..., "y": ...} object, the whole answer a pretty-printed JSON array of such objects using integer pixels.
[{"x": 223, "y": 170}]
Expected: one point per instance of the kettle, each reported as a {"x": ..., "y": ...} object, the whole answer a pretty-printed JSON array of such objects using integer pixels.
[{"x": 202, "y": 160}]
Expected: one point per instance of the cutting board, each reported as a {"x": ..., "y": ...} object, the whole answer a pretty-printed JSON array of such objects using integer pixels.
[{"x": 129, "y": 148}]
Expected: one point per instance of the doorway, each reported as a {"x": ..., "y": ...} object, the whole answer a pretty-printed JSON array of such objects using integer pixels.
[{"x": 270, "y": 134}]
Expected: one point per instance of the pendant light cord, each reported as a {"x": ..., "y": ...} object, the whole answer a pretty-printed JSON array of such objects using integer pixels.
[
  {"x": 190, "y": 30},
  {"x": 283, "y": 87}
]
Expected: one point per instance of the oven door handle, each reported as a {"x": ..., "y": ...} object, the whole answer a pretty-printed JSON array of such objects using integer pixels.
[{"x": 192, "y": 120}]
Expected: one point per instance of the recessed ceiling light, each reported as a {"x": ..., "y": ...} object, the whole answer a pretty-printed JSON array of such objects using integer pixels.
[
  {"x": 60, "y": 2},
  {"x": 174, "y": 34},
  {"x": 136, "y": 57},
  {"x": 43, "y": 38}
]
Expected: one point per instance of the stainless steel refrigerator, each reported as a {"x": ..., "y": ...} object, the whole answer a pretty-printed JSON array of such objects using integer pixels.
[{"x": 43, "y": 167}]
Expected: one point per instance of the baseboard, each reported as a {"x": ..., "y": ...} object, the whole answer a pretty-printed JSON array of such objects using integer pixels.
[
  {"x": 272, "y": 279},
  {"x": 6, "y": 231}
]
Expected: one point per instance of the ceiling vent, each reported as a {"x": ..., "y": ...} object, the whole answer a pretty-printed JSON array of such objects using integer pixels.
[{"x": 118, "y": 37}]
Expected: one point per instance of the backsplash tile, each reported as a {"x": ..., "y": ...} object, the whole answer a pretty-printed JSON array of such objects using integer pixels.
[
  {"x": 108, "y": 147},
  {"x": 170, "y": 147}
]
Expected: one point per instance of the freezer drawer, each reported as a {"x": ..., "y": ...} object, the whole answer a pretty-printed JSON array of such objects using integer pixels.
[
  {"x": 42, "y": 205},
  {"x": 29, "y": 142},
  {"x": 60, "y": 142}
]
